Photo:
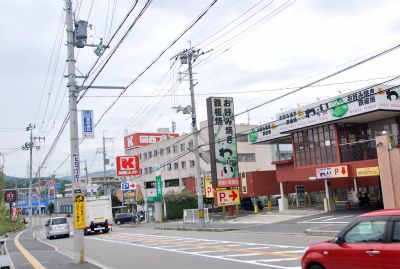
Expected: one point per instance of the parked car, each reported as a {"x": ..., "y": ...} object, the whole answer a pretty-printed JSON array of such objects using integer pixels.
[
  {"x": 246, "y": 203},
  {"x": 57, "y": 227},
  {"x": 372, "y": 240},
  {"x": 122, "y": 218}
]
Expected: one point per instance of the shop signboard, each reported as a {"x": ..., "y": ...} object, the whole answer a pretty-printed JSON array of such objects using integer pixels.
[
  {"x": 358, "y": 102},
  {"x": 367, "y": 171},
  {"x": 87, "y": 124},
  {"x": 208, "y": 189},
  {"x": 129, "y": 197},
  {"x": 143, "y": 139},
  {"x": 127, "y": 165},
  {"x": 332, "y": 172},
  {"x": 223, "y": 148},
  {"x": 228, "y": 197}
]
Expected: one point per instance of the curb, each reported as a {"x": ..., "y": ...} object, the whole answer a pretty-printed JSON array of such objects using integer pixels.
[
  {"x": 320, "y": 232},
  {"x": 195, "y": 229},
  {"x": 67, "y": 253}
]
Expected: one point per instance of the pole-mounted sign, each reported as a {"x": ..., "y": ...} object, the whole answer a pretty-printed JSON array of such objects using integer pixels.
[{"x": 87, "y": 124}]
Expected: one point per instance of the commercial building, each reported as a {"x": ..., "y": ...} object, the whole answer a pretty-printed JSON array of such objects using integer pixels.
[
  {"x": 338, "y": 151},
  {"x": 174, "y": 154}
]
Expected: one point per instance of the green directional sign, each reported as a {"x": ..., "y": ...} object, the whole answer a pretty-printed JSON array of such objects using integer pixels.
[{"x": 158, "y": 196}]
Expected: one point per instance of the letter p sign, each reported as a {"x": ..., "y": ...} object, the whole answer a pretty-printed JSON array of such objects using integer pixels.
[{"x": 127, "y": 165}]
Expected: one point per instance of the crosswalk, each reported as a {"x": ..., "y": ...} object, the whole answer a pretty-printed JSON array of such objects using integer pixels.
[
  {"x": 329, "y": 220},
  {"x": 258, "y": 254}
]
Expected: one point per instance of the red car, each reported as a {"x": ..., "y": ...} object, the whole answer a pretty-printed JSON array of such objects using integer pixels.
[{"x": 372, "y": 240}]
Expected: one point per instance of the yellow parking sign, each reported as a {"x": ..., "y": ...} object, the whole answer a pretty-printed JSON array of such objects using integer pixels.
[{"x": 79, "y": 211}]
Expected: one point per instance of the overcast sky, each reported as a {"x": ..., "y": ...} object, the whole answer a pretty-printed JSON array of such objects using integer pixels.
[{"x": 257, "y": 47}]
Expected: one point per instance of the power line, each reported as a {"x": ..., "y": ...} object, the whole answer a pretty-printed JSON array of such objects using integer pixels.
[
  {"x": 155, "y": 60},
  {"x": 239, "y": 92}
]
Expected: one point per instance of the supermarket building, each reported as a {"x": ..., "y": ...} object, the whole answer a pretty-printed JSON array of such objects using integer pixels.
[{"x": 342, "y": 147}]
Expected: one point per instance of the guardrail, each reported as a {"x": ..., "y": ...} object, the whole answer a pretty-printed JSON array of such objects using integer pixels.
[
  {"x": 191, "y": 215},
  {"x": 5, "y": 262}
]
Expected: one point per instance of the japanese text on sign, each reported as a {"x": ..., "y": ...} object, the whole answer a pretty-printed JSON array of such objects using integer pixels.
[
  {"x": 79, "y": 211},
  {"x": 87, "y": 124}
]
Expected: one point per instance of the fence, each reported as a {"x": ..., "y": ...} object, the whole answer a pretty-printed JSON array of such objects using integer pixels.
[{"x": 191, "y": 216}]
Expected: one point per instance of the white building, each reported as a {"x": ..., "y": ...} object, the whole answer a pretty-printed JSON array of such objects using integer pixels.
[{"x": 176, "y": 157}]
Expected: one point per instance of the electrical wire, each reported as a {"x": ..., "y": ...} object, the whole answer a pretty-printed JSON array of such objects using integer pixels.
[{"x": 155, "y": 60}]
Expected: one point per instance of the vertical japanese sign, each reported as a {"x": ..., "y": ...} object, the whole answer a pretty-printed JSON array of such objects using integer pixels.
[
  {"x": 76, "y": 168},
  {"x": 208, "y": 189},
  {"x": 222, "y": 135},
  {"x": 87, "y": 124},
  {"x": 79, "y": 211}
]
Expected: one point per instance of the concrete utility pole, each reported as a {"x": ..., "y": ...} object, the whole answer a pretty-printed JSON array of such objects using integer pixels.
[
  {"x": 105, "y": 163},
  {"x": 79, "y": 250},
  {"x": 187, "y": 57},
  {"x": 30, "y": 128}
]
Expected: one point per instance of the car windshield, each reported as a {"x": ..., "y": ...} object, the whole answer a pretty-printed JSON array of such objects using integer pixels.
[
  {"x": 124, "y": 215},
  {"x": 59, "y": 221}
]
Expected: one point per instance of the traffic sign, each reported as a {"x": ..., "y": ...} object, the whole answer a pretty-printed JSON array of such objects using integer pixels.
[
  {"x": 79, "y": 211},
  {"x": 208, "y": 189},
  {"x": 127, "y": 165},
  {"x": 128, "y": 186},
  {"x": 228, "y": 197}
]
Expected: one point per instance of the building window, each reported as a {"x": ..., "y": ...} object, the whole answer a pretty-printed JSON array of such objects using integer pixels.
[
  {"x": 161, "y": 152},
  {"x": 172, "y": 182},
  {"x": 150, "y": 185},
  {"x": 242, "y": 138},
  {"x": 246, "y": 157},
  {"x": 145, "y": 155},
  {"x": 175, "y": 148},
  {"x": 169, "y": 167},
  {"x": 151, "y": 169},
  {"x": 182, "y": 146},
  {"x": 140, "y": 156},
  {"x": 145, "y": 170},
  {"x": 155, "y": 153},
  {"x": 315, "y": 146},
  {"x": 168, "y": 150},
  {"x": 190, "y": 144},
  {"x": 141, "y": 171},
  {"x": 191, "y": 163},
  {"x": 149, "y": 154},
  {"x": 183, "y": 163},
  {"x": 176, "y": 166}
]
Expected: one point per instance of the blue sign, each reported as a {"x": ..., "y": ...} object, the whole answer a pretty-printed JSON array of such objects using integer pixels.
[
  {"x": 125, "y": 186},
  {"x": 87, "y": 124},
  {"x": 58, "y": 185},
  {"x": 129, "y": 197}
]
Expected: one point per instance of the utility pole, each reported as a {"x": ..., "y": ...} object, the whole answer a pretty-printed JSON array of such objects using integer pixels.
[
  {"x": 29, "y": 146},
  {"x": 188, "y": 57},
  {"x": 79, "y": 250},
  {"x": 105, "y": 161}
]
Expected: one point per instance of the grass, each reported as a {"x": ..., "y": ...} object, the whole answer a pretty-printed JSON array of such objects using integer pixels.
[{"x": 5, "y": 225}]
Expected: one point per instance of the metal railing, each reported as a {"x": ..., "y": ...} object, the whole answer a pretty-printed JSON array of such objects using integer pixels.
[
  {"x": 191, "y": 216},
  {"x": 358, "y": 151}
]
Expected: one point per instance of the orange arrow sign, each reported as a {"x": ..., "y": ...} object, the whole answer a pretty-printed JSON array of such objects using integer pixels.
[{"x": 233, "y": 196}]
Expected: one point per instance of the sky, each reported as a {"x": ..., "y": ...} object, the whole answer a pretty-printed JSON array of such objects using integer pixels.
[{"x": 254, "y": 50}]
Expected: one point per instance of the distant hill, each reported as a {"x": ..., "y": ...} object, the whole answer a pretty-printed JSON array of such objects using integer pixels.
[{"x": 64, "y": 178}]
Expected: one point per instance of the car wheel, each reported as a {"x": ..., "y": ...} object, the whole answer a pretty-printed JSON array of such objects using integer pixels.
[
  {"x": 50, "y": 237},
  {"x": 67, "y": 235},
  {"x": 106, "y": 231},
  {"x": 316, "y": 266}
]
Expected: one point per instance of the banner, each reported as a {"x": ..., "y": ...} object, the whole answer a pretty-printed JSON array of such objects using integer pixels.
[
  {"x": 87, "y": 124},
  {"x": 79, "y": 211},
  {"x": 222, "y": 135}
]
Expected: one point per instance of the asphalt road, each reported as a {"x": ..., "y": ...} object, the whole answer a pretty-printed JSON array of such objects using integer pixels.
[{"x": 140, "y": 247}]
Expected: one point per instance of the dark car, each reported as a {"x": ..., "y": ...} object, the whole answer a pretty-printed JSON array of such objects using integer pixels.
[
  {"x": 371, "y": 241},
  {"x": 246, "y": 203},
  {"x": 122, "y": 218}
]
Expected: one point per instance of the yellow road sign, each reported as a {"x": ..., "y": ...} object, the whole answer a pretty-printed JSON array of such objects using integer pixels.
[{"x": 79, "y": 211}]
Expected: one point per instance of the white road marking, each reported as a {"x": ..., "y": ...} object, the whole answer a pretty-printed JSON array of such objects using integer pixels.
[
  {"x": 290, "y": 251},
  {"x": 259, "y": 248},
  {"x": 326, "y": 220},
  {"x": 208, "y": 254},
  {"x": 242, "y": 255}
]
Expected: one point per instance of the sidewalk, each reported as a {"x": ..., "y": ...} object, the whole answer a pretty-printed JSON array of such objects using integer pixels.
[
  {"x": 237, "y": 223},
  {"x": 38, "y": 254}
]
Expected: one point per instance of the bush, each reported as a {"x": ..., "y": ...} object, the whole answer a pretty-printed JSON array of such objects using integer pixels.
[{"x": 176, "y": 202}]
